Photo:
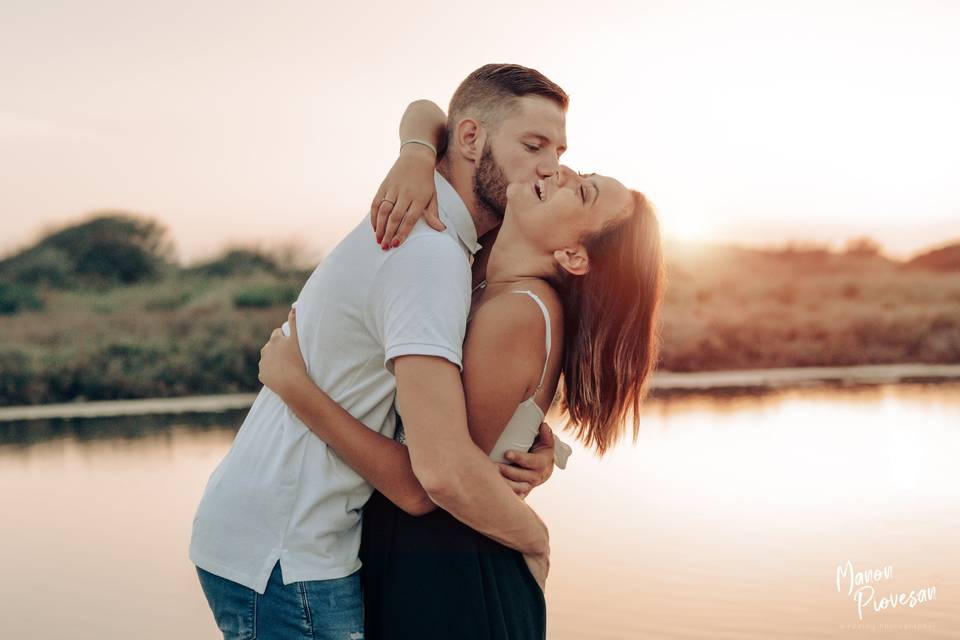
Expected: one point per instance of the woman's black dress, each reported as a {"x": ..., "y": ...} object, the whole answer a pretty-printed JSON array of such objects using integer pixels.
[{"x": 434, "y": 577}]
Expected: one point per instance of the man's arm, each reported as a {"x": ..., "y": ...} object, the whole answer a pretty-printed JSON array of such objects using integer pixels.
[
  {"x": 418, "y": 308},
  {"x": 454, "y": 472},
  {"x": 381, "y": 461}
]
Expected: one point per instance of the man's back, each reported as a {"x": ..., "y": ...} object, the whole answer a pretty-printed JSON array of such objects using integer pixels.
[{"x": 280, "y": 493}]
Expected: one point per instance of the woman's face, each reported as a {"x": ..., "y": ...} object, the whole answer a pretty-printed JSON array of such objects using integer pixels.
[{"x": 555, "y": 213}]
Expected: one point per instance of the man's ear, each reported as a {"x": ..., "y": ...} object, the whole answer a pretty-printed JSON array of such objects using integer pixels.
[
  {"x": 469, "y": 138},
  {"x": 573, "y": 259}
]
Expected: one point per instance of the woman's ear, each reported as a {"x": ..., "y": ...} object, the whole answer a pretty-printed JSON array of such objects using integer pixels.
[
  {"x": 573, "y": 259},
  {"x": 469, "y": 137}
]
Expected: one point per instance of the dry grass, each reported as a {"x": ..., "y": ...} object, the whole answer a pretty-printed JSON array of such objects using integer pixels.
[{"x": 729, "y": 308}]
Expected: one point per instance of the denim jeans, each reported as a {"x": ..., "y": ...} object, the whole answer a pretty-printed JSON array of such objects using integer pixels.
[{"x": 313, "y": 610}]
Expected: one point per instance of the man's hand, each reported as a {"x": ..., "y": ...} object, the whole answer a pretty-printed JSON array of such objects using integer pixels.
[
  {"x": 530, "y": 469},
  {"x": 539, "y": 566}
]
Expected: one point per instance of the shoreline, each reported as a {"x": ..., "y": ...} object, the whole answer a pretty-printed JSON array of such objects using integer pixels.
[{"x": 663, "y": 381}]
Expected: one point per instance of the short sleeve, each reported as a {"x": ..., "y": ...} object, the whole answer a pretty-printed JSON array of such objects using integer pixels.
[{"x": 420, "y": 299}]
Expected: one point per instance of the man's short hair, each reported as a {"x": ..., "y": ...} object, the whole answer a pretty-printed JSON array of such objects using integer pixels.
[{"x": 490, "y": 92}]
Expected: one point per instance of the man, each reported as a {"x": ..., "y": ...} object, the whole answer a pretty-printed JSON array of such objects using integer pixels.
[{"x": 276, "y": 536}]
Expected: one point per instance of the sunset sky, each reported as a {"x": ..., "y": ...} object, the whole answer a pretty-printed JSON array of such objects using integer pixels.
[{"x": 237, "y": 122}]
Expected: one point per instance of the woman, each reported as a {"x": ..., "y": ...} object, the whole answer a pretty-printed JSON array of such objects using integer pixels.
[{"x": 573, "y": 284}]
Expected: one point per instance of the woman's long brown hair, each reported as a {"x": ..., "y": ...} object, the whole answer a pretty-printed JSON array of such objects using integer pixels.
[{"x": 611, "y": 332}]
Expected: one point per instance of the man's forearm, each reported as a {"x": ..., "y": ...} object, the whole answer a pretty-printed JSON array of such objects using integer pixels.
[
  {"x": 381, "y": 461},
  {"x": 456, "y": 474},
  {"x": 469, "y": 486}
]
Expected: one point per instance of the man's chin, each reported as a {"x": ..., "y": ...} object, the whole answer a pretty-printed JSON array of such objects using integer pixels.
[
  {"x": 499, "y": 206},
  {"x": 496, "y": 209}
]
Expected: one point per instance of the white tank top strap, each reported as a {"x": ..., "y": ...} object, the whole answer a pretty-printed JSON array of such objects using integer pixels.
[{"x": 546, "y": 319}]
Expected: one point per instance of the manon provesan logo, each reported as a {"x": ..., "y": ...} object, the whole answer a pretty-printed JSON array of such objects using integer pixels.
[{"x": 859, "y": 586}]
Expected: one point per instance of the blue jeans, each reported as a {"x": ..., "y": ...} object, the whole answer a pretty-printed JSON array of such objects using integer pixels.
[{"x": 313, "y": 610}]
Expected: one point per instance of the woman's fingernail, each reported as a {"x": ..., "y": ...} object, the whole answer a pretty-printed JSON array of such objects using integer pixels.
[
  {"x": 396, "y": 242},
  {"x": 510, "y": 455}
]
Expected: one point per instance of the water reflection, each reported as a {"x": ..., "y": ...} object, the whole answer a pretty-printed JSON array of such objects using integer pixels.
[
  {"x": 729, "y": 516},
  {"x": 22, "y": 434},
  {"x": 732, "y": 399},
  {"x": 726, "y": 519},
  {"x": 662, "y": 404}
]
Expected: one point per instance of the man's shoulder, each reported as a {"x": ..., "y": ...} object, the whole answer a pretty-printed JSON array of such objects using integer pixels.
[
  {"x": 423, "y": 230},
  {"x": 430, "y": 265},
  {"x": 431, "y": 244}
]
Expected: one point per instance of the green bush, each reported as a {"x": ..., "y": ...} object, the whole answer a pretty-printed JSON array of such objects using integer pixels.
[
  {"x": 237, "y": 262},
  {"x": 18, "y": 379},
  {"x": 260, "y": 296},
  {"x": 43, "y": 266},
  {"x": 111, "y": 248},
  {"x": 17, "y": 297},
  {"x": 168, "y": 300},
  {"x": 219, "y": 354},
  {"x": 108, "y": 260}
]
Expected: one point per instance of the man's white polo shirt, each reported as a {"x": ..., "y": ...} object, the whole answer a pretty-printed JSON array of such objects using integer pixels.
[{"x": 280, "y": 493}]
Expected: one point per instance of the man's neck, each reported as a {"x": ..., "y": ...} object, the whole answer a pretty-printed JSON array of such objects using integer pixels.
[
  {"x": 460, "y": 178},
  {"x": 483, "y": 256}
]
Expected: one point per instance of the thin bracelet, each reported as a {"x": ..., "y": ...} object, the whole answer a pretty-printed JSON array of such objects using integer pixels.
[{"x": 418, "y": 141}]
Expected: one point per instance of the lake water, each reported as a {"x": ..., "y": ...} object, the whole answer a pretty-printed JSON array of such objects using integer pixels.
[{"x": 727, "y": 519}]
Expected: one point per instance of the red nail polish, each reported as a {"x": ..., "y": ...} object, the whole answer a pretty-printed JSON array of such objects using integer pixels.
[{"x": 396, "y": 242}]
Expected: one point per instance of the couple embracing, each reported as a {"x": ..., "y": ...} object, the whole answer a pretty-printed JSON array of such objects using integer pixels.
[{"x": 376, "y": 487}]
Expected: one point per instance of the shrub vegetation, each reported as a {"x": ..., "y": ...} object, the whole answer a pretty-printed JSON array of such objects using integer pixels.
[{"x": 99, "y": 310}]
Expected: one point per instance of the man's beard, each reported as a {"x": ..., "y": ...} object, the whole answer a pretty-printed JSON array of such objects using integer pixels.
[{"x": 490, "y": 184}]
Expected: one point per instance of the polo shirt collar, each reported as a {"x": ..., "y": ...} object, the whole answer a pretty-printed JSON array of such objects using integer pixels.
[{"x": 452, "y": 207}]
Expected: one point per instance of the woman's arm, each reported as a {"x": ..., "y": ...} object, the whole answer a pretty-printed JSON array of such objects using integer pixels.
[
  {"x": 408, "y": 192},
  {"x": 502, "y": 359},
  {"x": 382, "y": 462},
  {"x": 424, "y": 120}
]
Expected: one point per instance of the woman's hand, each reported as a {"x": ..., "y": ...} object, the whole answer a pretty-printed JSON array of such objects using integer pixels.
[
  {"x": 529, "y": 470},
  {"x": 406, "y": 194},
  {"x": 281, "y": 364}
]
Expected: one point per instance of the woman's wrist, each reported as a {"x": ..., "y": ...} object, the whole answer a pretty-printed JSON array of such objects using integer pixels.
[
  {"x": 418, "y": 151},
  {"x": 292, "y": 386},
  {"x": 420, "y": 141}
]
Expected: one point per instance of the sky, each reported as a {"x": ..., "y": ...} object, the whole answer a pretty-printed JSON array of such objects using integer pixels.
[{"x": 242, "y": 123}]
